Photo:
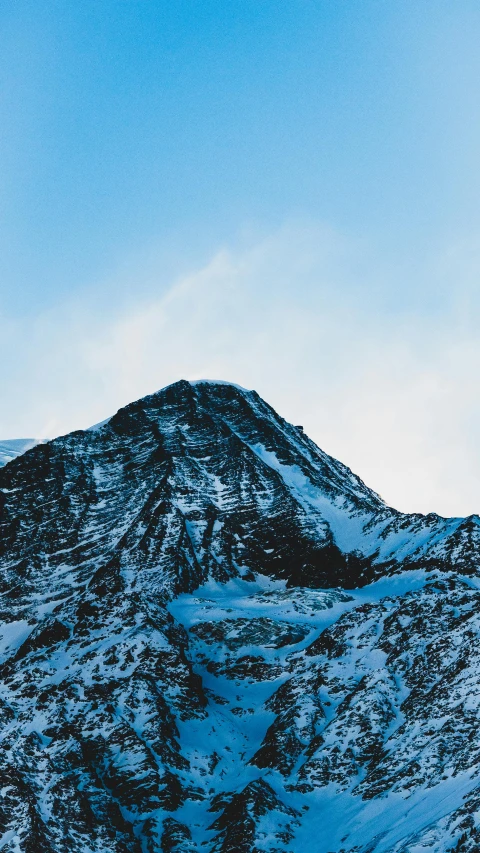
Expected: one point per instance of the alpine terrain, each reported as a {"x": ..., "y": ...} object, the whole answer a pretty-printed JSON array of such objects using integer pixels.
[{"x": 215, "y": 638}]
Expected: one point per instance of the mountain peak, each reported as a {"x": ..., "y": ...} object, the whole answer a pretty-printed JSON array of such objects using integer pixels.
[
  {"x": 205, "y": 387},
  {"x": 214, "y": 636},
  {"x": 247, "y": 485}
]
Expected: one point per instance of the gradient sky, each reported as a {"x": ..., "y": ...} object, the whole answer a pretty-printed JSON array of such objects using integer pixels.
[{"x": 285, "y": 195}]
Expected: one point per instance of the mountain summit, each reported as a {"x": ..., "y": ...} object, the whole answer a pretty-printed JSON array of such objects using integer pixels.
[{"x": 216, "y": 637}]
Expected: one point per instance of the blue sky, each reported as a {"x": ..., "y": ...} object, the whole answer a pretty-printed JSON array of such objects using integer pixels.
[{"x": 280, "y": 194}]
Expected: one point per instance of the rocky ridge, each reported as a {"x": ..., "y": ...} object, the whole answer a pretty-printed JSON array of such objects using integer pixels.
[
  {"x": 12, "y": 448},
  {"x": 215, "y": 637}
]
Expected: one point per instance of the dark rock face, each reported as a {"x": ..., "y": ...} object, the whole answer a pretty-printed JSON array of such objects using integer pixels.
[
  {"x": 239, "y": 824},
  {"x": 213, "y": 636}
]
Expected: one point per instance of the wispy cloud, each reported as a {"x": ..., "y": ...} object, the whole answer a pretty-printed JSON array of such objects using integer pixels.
[{"x": 387, "y": 384}]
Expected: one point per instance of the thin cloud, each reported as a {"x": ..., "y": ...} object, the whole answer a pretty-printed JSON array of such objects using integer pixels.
[{"x": 299, "y": 316}]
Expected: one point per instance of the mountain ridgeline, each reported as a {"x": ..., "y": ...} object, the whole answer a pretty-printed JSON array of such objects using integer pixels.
[
  {"x": 11, "y": 449},
  {"x": 215, "y": 637}
]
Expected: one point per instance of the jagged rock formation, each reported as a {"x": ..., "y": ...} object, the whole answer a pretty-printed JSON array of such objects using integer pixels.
[{"x": 215, "y": 637}]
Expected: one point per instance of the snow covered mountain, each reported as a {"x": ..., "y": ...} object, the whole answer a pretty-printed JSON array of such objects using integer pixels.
[{"x": 214, "y": 637}]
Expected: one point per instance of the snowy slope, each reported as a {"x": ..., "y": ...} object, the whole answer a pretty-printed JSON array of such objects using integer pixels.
[
  {"x": 214, "y": 637},
  {"x": 367, "y": 731}
]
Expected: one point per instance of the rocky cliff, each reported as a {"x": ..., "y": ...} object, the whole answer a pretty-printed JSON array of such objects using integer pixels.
[{"x": 215, "y": 637}]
